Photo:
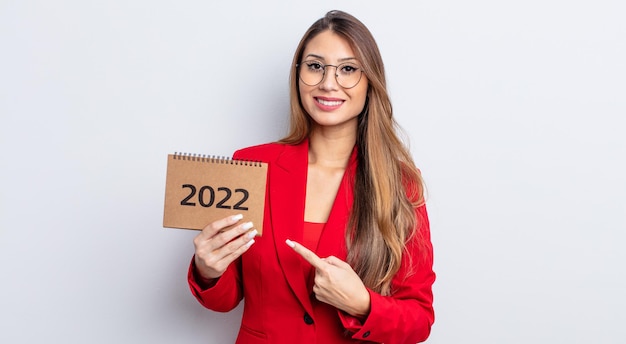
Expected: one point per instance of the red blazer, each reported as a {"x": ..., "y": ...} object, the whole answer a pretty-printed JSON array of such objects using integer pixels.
[{"x": 279, "y": 304}]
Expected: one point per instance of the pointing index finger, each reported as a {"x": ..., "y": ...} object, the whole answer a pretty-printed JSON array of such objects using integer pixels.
[{"x": 307, "y": 254}]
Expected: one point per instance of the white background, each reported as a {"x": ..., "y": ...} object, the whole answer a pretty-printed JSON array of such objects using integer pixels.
[{"x": 514, "y": 110}]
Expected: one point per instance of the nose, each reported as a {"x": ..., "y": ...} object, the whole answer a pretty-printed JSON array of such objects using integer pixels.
[{"x": 329, "y": 80}]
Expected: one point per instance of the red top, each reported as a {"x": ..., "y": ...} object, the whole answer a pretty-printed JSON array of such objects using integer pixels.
[
  {"x": 310, "y": 239},
  {"x": 312, "y": 233}
]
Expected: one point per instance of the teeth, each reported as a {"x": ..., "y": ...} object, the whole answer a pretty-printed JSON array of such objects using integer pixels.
[{"x": 329, "y": 102}]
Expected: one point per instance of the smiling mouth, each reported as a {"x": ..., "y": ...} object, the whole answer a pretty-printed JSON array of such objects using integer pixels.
[{"x": 329, "y": 102}]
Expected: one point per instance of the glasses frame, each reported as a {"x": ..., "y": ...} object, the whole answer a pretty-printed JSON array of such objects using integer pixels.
[{"x": 298, "y": 65}]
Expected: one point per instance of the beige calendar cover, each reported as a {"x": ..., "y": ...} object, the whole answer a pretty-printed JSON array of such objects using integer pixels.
[{"x": 201, "y": 189}]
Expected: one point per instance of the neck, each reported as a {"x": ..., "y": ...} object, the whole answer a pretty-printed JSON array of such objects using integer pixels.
[{"x": 330, "y": 149}]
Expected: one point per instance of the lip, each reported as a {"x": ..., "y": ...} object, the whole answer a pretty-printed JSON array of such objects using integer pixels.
[{"x": 329, "y": 104}]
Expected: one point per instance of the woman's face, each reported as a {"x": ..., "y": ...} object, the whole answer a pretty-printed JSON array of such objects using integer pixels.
[{"x": 329, "y": 103}]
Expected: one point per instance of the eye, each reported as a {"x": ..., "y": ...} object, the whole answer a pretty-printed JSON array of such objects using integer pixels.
[
  {"x": 348, "y": 69},
  {"x": 314, "y": 66}
]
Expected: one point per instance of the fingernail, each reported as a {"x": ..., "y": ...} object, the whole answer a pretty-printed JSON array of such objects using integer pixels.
[
  {"x": 252, "y": 234},
  {"x": 237, "y": 217},
  {"x": 247, "y": 225},
  {"x": 290, "y": 243},
  {"x": 249, "y": 243}
]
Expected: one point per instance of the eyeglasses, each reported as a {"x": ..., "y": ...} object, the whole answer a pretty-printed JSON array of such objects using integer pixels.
[{"x": 312, "y": 73}]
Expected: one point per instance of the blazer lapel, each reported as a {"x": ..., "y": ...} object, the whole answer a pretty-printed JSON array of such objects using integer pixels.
[{"x": 287, "y": 198}]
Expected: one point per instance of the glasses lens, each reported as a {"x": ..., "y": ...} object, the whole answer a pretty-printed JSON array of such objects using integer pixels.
[
  {"x": 348, "y": 75},
  {"x": 311, "y": 72}
]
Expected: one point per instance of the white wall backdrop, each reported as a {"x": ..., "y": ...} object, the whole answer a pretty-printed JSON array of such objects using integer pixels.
[{"x": 515, "y": 112}]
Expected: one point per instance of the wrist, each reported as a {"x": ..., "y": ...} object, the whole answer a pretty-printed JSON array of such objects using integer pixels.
[
  {"x": 203, "y": 281},
  {"x": 362, "y": 308}
]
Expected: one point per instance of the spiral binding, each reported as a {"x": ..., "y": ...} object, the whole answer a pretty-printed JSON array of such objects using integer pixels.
[{"x": 214, "y": 159}]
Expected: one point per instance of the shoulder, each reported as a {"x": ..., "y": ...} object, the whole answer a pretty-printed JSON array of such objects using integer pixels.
[{"x": 264, "y": 152}]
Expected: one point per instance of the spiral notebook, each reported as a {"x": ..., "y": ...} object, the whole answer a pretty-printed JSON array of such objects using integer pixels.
[{"x": 200, "y": 189}]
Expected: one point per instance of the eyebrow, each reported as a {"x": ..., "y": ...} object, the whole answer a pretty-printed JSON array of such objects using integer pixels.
[{"x": 322, "y": 58}]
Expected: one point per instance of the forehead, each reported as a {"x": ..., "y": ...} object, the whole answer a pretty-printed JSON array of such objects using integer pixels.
[{"x": 330, "y": 47}]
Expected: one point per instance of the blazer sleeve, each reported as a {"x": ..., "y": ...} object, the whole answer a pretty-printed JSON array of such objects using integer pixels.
[
  {"x": 406, "y": 316},
  {"x": 224, "y": 294}
]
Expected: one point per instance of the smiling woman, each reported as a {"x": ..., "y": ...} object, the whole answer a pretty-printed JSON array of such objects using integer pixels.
[{"x": 346, "y": 254}]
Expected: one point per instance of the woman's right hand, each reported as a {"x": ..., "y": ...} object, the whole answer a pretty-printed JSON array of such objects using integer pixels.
[{"x": 216, "y": 248}]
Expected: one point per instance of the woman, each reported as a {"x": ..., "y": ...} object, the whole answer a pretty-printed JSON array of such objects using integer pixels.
[{"x": 341, "y": 186}]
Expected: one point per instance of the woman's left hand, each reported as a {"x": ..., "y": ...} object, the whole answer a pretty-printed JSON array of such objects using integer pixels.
[{"x": 336, "y": 283}]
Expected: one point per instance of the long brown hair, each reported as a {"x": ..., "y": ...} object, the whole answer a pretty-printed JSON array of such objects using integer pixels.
[{"x": 387, "y": 185}]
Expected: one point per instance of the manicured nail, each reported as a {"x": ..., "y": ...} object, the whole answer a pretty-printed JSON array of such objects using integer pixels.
[
  {"x": 237, "y": 217},
  {"x": 249, "y": 243},
  {"x": 246, "y": 226},
  {"x": 290, "y": 243},
  {"x": 252, "y": 234}
]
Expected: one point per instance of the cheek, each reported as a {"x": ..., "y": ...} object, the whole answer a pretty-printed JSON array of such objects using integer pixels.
[
  {"x": 305, "y": 99},
  {"x": 362, "y": 96}
]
